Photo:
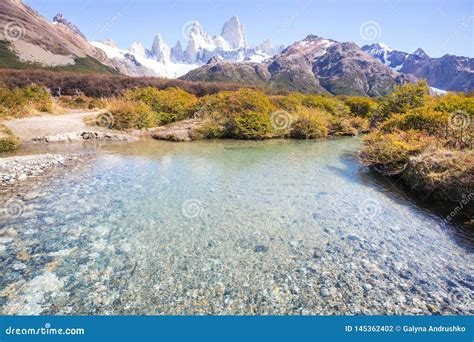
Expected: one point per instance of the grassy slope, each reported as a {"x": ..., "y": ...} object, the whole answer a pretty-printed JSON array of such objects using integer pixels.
[{"x": 9, "y": 60}]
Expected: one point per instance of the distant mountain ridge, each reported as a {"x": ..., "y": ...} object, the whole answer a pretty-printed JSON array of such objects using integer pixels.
[
  {"x": 314, "y": 64},
  {"x": 454, "y": 73}
]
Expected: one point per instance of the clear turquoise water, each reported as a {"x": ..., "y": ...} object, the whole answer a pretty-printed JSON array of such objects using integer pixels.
[{"x": 276, "y": 227}]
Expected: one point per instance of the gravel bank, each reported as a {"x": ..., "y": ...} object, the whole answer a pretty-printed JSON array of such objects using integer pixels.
[{"x": 14, "y": 170}]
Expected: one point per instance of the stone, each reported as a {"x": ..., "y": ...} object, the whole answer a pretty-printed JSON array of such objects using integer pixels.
[
  {"x": 31, "y": 195},
  {"x": 17, "y": 266},
  {"x": 367, "y": 287},
  {"x": 354, "y": 237},
  {"x": 261, "y": 249},
  {"x": 325, "y": 293}
]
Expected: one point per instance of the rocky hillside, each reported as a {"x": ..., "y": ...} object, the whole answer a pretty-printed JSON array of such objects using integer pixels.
[
  {"x": 29, "y": 40},
  {"x": 314, "y": 64},
  {"x": 454, "y": 73}
]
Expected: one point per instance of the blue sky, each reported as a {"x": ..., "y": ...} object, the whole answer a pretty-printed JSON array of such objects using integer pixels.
[{"x": 438, "y": 26}]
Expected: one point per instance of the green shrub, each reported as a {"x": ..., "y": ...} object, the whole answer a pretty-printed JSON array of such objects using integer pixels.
[
  {"x": 96, "y": 104},
  {"x": 361, "y": 106},
  {"x": 250, "y": 125},
  {"x": 389, "y": 153},
  {"x": 331, "y": 105},
  {"x": 8, "y": 142},
  {"x": 74, "y": 102},
  {"x": 129, "y": 114},
  {"x": 402, "y": 99},
  {"x": 289, "y": 102},
  {"x": 348, "y": 125},
  {"x": 294, "y": 101},
  {"x": 310, "y": 123},
  {"x": 23, "y": 101},
  {"x": 420, "y": 119},
  {"x": 242, "y": 114},
  {"x": 170, "y": 105},
  {"x": 453, "y": 102}
]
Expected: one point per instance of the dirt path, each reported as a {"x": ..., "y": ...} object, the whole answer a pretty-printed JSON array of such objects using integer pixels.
[
  {"x": 46, "y": 124},
  {"x": 59, "y": 128}
]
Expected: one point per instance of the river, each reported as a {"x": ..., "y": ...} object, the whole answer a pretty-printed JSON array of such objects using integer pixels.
[{"x": 229, "y": 227}]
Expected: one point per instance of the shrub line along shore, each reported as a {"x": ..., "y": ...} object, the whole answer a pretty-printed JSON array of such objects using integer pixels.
[{"x": 426, "y": 141}]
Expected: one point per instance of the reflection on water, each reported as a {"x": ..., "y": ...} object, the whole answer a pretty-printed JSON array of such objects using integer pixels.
[{"x": 277, "y": 227}]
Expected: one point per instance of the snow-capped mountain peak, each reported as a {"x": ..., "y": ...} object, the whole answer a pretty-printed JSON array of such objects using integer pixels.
[
  {"x": 220, "y": 42},
  {"x": 384, "y": 47},
  {"x": 200, "y": 38},
  {"x": 233, "y": 32},
  {"x": 110, "y": 43},
  {"x": 201, "y": 47},
  {"x": 420, "y": 53},
  {"x": 138, "y": 49},
  {"x": 160, "y": 50},
  {"x": 386, "y": 55},
  {"x": 312, "y": 45}
]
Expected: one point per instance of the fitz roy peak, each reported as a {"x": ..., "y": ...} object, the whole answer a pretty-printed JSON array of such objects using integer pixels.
[
  {"x": 233, "y": 33},
  {"x": 198, "y": 49}
]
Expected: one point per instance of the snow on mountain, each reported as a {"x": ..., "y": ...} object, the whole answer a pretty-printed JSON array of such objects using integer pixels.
[
  {"x": 233, "y": 32},
  {"x": 381, "y": 52},
  {"x": 311, "y": 45},
  {"x": 138, "y": 49},
  {"x": 220, "y": 42},
  {"x": 420, "y": 53},
  {"x": 177, "y": 53},
  {"x": 153, "y": 66},
  {"x": 164, "y": 61},
  {"x": 199, "y": 38},
  {"x": 452, "y": 73},
  {"x": 436, "y": 91},
  {"x": 160, "y": 50}
]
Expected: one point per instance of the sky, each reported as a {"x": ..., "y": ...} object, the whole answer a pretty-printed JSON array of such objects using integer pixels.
[{"x": 437, "y": 26}]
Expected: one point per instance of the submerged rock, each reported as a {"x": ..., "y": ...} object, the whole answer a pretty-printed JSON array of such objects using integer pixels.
[{"x": 261, "y": 249}]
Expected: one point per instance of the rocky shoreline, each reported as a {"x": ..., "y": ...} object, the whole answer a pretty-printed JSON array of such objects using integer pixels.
[
  {"x": 20, "y": 168},
  {"x": 19, "y": 175}
]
